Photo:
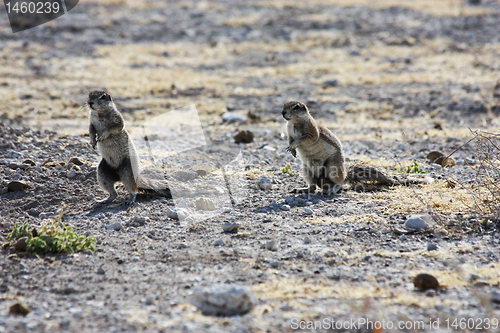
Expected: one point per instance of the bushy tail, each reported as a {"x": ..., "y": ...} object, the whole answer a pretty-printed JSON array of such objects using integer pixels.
[{"x": 370, "y": 173}]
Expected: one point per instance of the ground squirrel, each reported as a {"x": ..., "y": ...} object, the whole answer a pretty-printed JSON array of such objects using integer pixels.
[
  {"x": 320, "y": 151},
  {"x": 119, "y": 156},
  {"x": 322, "y": 156}
]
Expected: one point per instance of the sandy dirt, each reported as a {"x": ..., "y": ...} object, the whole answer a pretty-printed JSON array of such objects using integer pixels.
[{"x": 393, "y": 80}]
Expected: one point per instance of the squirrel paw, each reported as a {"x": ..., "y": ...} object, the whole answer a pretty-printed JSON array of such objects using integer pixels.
[
  {"x": 292, "y": 150},
  {"x": 130, "y": 201}
]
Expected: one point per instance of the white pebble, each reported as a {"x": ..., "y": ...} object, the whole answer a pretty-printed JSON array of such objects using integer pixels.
[
  {"x": 114, "y": 226},
  {"x": 418, "y": 222},
  {"x": 308, "y": 211}
]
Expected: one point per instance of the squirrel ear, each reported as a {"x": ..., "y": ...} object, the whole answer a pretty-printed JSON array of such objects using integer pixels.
[{"x": 297, "y": 107}]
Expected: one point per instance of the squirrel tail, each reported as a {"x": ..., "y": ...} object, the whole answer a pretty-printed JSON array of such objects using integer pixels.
[
  {"x": 369, "y": 173},
  {"x": 150, "y": 182}
]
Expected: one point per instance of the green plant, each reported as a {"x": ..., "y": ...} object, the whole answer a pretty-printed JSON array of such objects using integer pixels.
[
  {"x": 287, "y": 168},
  {"x": 18, "y": 231},
  {"x": 52, "y": 237},
  {"x": 415, "y": 168}
]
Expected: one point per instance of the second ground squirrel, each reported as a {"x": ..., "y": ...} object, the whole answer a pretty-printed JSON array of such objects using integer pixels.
[{"x": 322, "y": 156}]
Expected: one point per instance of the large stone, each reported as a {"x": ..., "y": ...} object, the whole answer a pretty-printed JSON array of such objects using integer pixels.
[
  {"x": 223, "y": 300},
  {"x": 177, "y": 213},
  {"x": 419, "y": 222}
]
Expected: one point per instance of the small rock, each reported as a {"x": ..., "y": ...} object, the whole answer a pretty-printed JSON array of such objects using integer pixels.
[
  {"x": 470, "y": 161},
  {"x": 182, "y": 246},
  {"x": 21, "y": 244},
  {"x": 233, "y": 117},
  {"x": 76, "y": 161},
  {"x": 138, "y": 221},
  {"x": 219, "y": 242},
  {"x": 29, "y": 162},
  {"x": 184, "y": 175},
  {"x": 244, "y": 137},
  {"x": 495, "y": 297},
  {"x": 231, "y": 227},
  {"x": 177, "y": 213},
  {"x": 307, "y": 211},
  {"x": 70, "y": 289},
  {"x": 330, "y": 83},
  {"x": 418, "y": 222},
  {"x": 16, "y": 166},
  {"x": 285, "y": 208},
  {"x": 204, "y": 204},
  {"x": 436, "y": 166},
  {"x": 301, "y": 201},
  {"x": 275, "y": 264},
  {"x": 431, "y": 246},
  {"x": 265, "y": 184},
  {"x": 17, "y": 185},
  {"x": 150, "y": 300},
  {"x": 19, "y": 308},
  {"x": 474, "y": 277},
  {"x": 425, "y": 281},
  {"x": 14, "y": 154},
  {"x": 289, "y": 200},
  {"x": 117, "y": 226},
  {"x": 481, "y": 283},
  {"x": 307, "y": 240},
  {"x": 45, "y": 215},
  {"x": 272, "y": 245},
  {"x": 100, "y": 271},
  {"x": 71, "y": 174},
  {"x": 223, "y": 300},
  {"x": 434, "y": 155},
  {"x": 430, "y": 293}
]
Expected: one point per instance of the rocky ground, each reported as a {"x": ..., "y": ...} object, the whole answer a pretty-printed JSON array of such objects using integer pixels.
[{"x": 393, "y": 80}]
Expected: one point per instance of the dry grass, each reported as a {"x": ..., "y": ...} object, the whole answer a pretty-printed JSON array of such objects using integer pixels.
[{"x": 485, "y": 191}]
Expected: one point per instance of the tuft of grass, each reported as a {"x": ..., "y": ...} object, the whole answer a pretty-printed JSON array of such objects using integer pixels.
[
  {"x": 287, "y": 168},
  {"x": 415, "y": 168},
  {"x": 52, "y": 237}
]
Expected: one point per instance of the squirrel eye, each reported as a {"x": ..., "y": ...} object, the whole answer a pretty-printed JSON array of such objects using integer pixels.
[
  {"x": 104, "y": 97},
  {"x": 296, "y": 107}
]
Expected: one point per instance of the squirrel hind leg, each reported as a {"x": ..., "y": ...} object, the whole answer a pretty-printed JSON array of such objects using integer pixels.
[
  {"x": 107, "y": 177},
  {"x": 128, "y": 178}
]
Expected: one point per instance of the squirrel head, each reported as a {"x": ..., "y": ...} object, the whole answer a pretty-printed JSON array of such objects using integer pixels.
[
  {"x": 294, "y": 110},
  {"x": 99, "y": 101}
]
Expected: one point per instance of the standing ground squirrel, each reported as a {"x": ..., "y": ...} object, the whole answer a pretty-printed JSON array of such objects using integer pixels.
[
  {"x": 119, "y": 156},
  {"x": 320, "y": 151},
  {"x": 322, "y": 156}
]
